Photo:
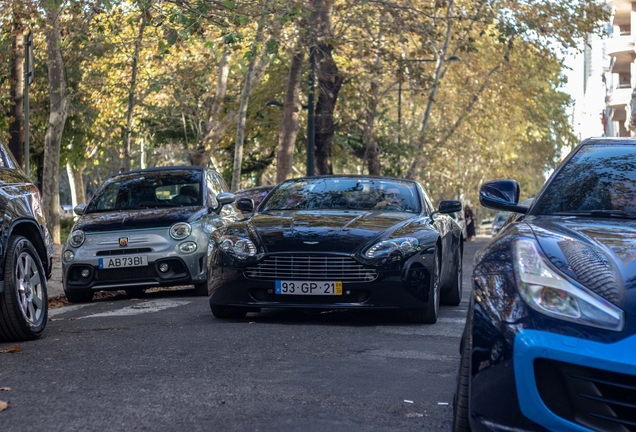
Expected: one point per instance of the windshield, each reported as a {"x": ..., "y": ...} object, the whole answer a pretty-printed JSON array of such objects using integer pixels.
[
  {"x": 597, "y": 180},
  {"x": 145, "y": 190},
  {"x": 345, "y": 193}
]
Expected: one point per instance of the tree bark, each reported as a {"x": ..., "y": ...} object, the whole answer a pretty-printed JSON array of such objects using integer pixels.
[
  {"x": 131, "y": 90},
  {"x": 329, "y": 83},
  {"x": 76, "y": 183},
  {"x": 289, "y": 124},
  {"x": 16, "y": 112},
  {"x": 372, "y": 152},
  {"x": 245, "y": 97},
  {"x": 215, "y": 126},
  {"x": 57, "y": 119}
]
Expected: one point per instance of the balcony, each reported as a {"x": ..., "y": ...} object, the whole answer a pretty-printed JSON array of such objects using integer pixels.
[
  {"x": 622, "y": 47},
  {"x": 619, "y": 97}
]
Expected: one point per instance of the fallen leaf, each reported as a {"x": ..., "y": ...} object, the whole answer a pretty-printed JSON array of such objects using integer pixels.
[
  {"x": 12, "y": 350},
  {"x": 56, "y": 319},
  {"x": 3, "y": 405},
  {"x": 5, "y": 388}
]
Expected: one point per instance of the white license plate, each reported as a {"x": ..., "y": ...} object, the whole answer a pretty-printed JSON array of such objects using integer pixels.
[
  {"x": 308, "y": 288},
  {"x": 123, "y": 261}
]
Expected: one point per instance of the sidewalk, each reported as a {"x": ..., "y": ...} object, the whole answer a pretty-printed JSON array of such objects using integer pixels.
[{"x": 54, "y": 285}]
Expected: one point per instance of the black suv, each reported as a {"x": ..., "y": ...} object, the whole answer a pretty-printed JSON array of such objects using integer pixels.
[{"x": 26, "y": 252}]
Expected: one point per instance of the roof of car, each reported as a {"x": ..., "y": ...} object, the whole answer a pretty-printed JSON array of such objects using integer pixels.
[
  {"x": 353, "y": 176},
  {"x": 166, "y": 168}
]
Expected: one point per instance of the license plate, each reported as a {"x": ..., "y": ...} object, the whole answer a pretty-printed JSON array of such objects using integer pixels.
[
  {"x": 308, "y": 288},
  {"x": 125, "y": 261}
]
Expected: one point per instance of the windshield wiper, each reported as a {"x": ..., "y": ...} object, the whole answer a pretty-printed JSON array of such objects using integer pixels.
[{"x": 599, "y": 213}]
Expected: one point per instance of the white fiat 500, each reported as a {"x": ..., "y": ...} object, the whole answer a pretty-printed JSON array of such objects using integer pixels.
[{"x": 146, "y": 228}]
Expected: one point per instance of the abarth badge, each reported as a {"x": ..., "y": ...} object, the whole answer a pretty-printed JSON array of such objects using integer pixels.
[{"x": 123, "y": 241}]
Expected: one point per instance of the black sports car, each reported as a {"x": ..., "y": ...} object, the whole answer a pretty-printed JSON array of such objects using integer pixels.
[
  {"x": 26, "y": 251},
  {"x": 340, "y": 242},
  {"x": 550, "y": 337}
]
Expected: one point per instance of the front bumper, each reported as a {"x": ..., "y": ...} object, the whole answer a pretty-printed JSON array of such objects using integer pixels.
[
  {"x": 155, "y": 245},
  {"x": 571, "y": 384},
  {"x": 232, "y": 288}
]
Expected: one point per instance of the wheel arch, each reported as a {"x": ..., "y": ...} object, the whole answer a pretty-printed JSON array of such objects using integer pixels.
[{"x": 31, "y": 231}]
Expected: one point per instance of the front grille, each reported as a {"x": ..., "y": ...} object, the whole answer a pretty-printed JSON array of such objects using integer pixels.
[
  {"x": 130, "y": 273},
  {"x": 123, "y": 251},
  {"x": 312, "y": 268},
  {"x": 595, "y": 398}
]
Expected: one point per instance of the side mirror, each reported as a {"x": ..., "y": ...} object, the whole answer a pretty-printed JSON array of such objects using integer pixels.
[
  {"x": 245, "y": 204},
  {"x": 224, "y": 198},
  {"x": 501, "y": 195},
  {"x": 80, "y": 209},
  {"x": 450, "y": 206}
]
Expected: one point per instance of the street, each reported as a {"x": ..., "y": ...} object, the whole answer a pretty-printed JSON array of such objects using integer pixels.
[{"x": 164, "y": 362}]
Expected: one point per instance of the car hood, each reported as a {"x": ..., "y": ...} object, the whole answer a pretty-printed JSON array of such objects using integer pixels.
[
  {"x": 598, "y": 253},
  {"x": 324, "y": 231},
  {"x": 137, "y": 219}
]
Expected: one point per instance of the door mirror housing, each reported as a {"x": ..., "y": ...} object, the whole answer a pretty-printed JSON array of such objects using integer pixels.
[
  {"x": 245, "y": 204},
  {"x": 450, "y": 206},
  {"x": 501, "y": 195},
  {"x": 80, "y": 209},
  {"x": 224, "y": 198}
]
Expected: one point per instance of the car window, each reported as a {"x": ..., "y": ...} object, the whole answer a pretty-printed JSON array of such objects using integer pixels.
[
  {"x": 596, "y": 178},
  {"x": 144, "y": 190},
  {"x": 344, "y": 193}
]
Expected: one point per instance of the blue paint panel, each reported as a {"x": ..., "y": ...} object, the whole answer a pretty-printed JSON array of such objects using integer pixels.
[
  {"x": 278, "y": 284},
  {"x": 101, "y": 263},
  {"x": 531, "y": 344}
]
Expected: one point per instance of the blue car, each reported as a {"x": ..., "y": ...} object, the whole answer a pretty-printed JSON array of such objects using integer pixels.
[{"x": 550, "y": 337}]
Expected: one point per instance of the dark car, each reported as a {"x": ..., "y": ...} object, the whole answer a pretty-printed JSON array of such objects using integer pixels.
[
  {"x": 26, "y": 252},
  {"x": 144, "y": 229},
  {"x": 340, "y": 242},
  {"x": 256, "y": 194},
  {"x": 498, "y": 222},
  {"x": 550, "y": 337}
]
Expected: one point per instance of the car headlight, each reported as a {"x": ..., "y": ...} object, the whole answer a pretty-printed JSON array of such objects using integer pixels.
[
  {"x": 405, "y": 245},
  {"x": 76, "y": 239},
  {"x": 240, "y": 247},
  {"x": 187, "y": 247},
  {"x": 180, "y": 230},
  {"x": 545, "y": 291}
]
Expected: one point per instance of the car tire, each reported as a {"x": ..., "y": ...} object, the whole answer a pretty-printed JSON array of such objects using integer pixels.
[
  {"x": 461, "y": 422},
  {"x": 226, "y": 312},
  {"x": 201, "y": 289},
  {"x": 135, "y": 292},
  {"x": 79, "y": 296},
  {"x": 453, "y": 296},
  {"x": 428, "y": 315},
  {"x": 24, "y": 302}
]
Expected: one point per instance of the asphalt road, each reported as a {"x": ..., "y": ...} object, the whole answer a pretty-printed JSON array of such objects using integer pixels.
[{"x": 164, "y": 363}]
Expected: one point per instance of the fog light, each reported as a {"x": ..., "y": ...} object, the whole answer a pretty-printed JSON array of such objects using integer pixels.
[
  {"x": 187, "y": 247},
  {"x": 164, "y": 267},
  {"x": 69, "y": 256},
  {"x": 85, "y": 273}
]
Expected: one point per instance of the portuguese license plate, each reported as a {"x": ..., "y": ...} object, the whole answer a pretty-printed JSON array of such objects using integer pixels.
[
  {"x": 123, "y": 261},
  {"x": 308, "y": 288}
]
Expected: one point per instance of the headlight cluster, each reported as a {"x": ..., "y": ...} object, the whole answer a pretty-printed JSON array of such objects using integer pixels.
[
  {"x": 405, "y": 245},
  {"x": 544, "y": 290},
  {"x": 180, "y": 230},
  {"x": 76, "y": 239},
  {"x": 240, "y": 247}
]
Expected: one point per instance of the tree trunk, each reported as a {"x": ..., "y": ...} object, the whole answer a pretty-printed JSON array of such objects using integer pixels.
[
  {"x": 16, "y": 112},
  {"x": 245, "y": 96},
  {"x": 289, "y": 124},
  {"x": 215, "y": 126},
  {"x": 76, "y": 183},
  {"x": 371, "y": 151},
  {"x": 329, "y": 83},
  {"x": 57, "y": 119},
  {"x": 131, "y": 91}
]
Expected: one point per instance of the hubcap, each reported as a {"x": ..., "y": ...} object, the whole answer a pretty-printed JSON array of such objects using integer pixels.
[{"x": 29, "y": 289}]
